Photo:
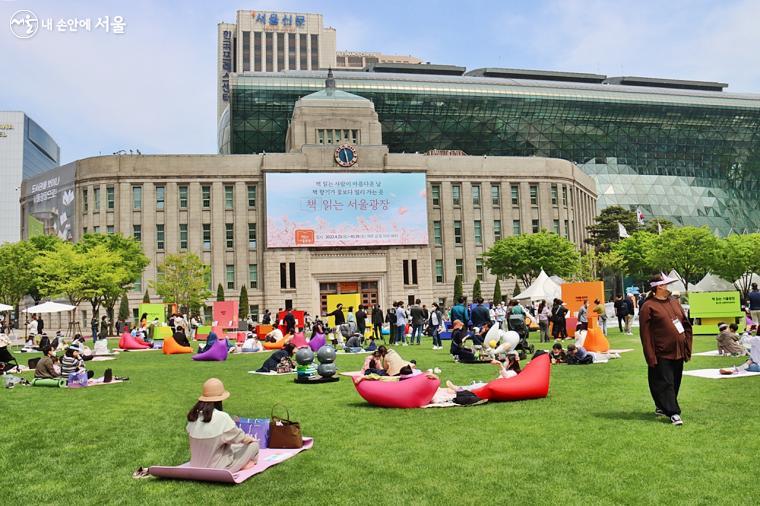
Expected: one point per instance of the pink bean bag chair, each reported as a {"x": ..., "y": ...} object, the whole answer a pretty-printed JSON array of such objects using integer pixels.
[
  {"x": 316, "y": 342},
  {"x": 127, "y": 342},
  {"x": 299, "y": 341},
  {"x": 414, "y": 392},
  {"x": 217, "y": 352},
  {"x": 531, "y": 383}
]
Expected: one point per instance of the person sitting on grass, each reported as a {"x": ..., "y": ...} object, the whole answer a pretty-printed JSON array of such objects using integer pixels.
[
  {"x": 46, "y": 366},
  {"x": 458, "y": 350},
  {"x": 577, "y": 355},
  {"x": 354, "y": 343},
  {"x": 272, "y": 363},
  {"x": 557, "y": 354},
  {"x": 72, "y": 362},
  {"x": 215, "y": 441},
  {"x": 251, "y": 344},
  {"x": 373, "y": 364},
  {"x": 753, "y": 364},
  {"x": 728, "y": 340}
]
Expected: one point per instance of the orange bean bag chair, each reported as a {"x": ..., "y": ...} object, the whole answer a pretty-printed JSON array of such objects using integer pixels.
[
  {"x": 172, "y": 347},
  {"x": 595, "y": 339},
  {"x": 128, "y": 342},
  {"x": 278, "y": 345},
  {"x": 531, "y": 383},
  {"x": 414, "y": 392}
]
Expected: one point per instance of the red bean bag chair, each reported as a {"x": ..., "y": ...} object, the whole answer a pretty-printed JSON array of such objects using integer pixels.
[
  {"x": 128, "y": 342},
  {"x": 414, "y": 392},
  {"x": 172, "y": 347},
  {"x": 531, "y": 383},
  {"x": 139, "y": 340},
  {"x": 217, "y": 352}
]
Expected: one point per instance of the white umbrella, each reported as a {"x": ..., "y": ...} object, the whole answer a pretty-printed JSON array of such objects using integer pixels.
[
  {"x": 49, "y": 307},
  {"x": 5, "y": 307}
]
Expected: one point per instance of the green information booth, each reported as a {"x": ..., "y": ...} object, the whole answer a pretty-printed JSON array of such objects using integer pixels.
[{"x": 707, "y": 309}]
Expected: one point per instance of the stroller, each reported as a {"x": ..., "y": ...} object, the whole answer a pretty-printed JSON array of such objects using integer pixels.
[
  {"x": 517, "y": 323},
  {"x": 7, "y": 361}
]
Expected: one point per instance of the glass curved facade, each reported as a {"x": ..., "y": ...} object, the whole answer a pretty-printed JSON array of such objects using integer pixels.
[{"x": 689, "y": 156}]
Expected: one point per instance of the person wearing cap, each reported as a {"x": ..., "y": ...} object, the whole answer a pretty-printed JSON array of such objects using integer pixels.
[
  {"x": 666, "y": 337},
  {"x": 215, "y": 441},
  {"x": 72, "y": 362}
]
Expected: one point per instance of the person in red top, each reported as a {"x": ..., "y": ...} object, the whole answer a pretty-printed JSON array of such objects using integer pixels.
[{"x": 666, "y": 338}]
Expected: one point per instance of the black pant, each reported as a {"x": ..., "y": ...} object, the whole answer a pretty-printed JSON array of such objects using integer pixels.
[
  {"x": 379, "y": 331},
  {"x": 621, "y": 322},
  {"x": 664, "y": 383},
  {"x": 559, "y": 329}
]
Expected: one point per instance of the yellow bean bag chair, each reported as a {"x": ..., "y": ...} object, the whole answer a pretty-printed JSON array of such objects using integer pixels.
[{"x": 172, "y": 347}]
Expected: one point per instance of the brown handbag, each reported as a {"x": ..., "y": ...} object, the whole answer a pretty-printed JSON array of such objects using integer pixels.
[{"x": 283, "y": 432}]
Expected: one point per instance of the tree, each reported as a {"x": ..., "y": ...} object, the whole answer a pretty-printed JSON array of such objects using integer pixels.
[
  {"x": 458, "y": 291},
  {"x": 691, "y": 251},
  {"x": 631, "y": 255},
  {"x": 739, "y": 257},
  {"x": 124, "y": 308},
  {"x": 37, "y": 245},
  {"x": 182, "y": 279},
  {"x": 497, "y": 292},
  {"x": 517, "y": 289},
  {"x": 476, "y": 290},
  {"x": 219, "y": 292},
  {"x": 146, "y": 297},
  {"x": 606, "y": 231},
  {"x": 16, "y": 275},
  {"x": 523, "y": 256},
  {"x": 243, "y": 303}
]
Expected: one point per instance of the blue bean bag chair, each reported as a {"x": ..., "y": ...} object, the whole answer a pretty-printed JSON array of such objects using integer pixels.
[{"x": 216, "y": 352}]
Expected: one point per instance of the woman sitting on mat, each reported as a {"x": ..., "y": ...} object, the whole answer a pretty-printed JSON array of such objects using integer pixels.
[
  {"x": 180, "y": 336},
  {"x": 728, "y": 340},
  {"x": 271, "y": 363},
  {"x": 215, "y": 440},
  {"x": 458, "y": 337},
  {"x": 72, "y": 362}
]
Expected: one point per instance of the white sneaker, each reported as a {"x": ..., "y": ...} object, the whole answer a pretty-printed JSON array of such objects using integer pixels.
[{"x": 676, "y": 420}]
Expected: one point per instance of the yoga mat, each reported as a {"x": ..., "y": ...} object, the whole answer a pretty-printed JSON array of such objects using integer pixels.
[
  {"x": 267, "y": 458},
  {"x": 271, "y": 373},
  {"x": 715, "y": 374}
]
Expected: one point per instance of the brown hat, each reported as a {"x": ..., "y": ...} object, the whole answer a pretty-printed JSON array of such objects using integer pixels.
[
  {"x": 213, "y": 391},
  {"x": 457, "y": 324}
]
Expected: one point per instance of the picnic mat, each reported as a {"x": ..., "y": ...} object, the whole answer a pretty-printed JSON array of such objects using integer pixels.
[
  {"x": 715, "y": 374},
  {"x": 713, "y": 353},
  {"x": 272, "y": 373},
  {"x": 443, "y": 398},
  {"x": 620, "y": 351},
  {"x": 351, "y": 374},
  {"x": 268, "y": 457},
  {"x": 102, "y": 358}
]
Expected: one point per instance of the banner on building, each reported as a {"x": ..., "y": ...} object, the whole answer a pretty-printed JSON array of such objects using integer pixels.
[{"x": 50, "y": 204}]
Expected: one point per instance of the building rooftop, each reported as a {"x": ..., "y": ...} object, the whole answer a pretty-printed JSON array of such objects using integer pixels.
[
  {"x": 416, "y": 68},
  {"x": 542, "y": 75},
  {"x": 657, "y": 82}
]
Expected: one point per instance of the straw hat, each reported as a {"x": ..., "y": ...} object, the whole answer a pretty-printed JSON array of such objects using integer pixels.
[{"x": 213, "y": 391}]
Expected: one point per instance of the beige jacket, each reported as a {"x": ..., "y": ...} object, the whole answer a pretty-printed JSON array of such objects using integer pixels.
[{"x": 219, "y": 443}]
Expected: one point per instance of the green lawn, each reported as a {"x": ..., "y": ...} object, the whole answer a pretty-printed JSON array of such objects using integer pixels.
[{"x": 594, "y": 440}]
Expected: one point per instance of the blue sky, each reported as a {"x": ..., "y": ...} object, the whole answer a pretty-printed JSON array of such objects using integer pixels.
[{"x": 153, "y": 88}]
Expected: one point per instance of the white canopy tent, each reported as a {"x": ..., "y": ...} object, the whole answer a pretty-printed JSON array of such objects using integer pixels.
[
  {"x": 557, "y": 279},
  {"x": 755, "y": 278},
  {"x": 49, "y": 307},
  {"x": 5, "y": 307},
  {"x": 542, "y": 288},
  {"x": 713, "y": 283},
  {"x": 677, "y": 286}
]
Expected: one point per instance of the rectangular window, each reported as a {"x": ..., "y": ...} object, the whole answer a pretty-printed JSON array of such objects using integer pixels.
[
  {"x": 515, "y": 193},
  {"x": 435, "y": 192},
  {"x": 207, "y": 237},
  {"x": 478, "y": 228},
  {"x": 109, "y": 229},
  {"x": 253, "y": 312},
  {"x": 564, "y": 196},
  {"x": 555, "y": 195},
  {"x": 314, "y": 52},
  {"x": 229, "y": 275},
  {"x": 567, "y": 228},
  {"x": 137, "y": 285},
  {"x": 229, "y": 197},
  {"x": 206, "y": 196},
  {"x": 251, "y": 195},
  {"x": 437, "y": 240},
  {"x": 495, "y": 194},
  {"x": 556, "y": 227},
  {"x": 137, "y": 232},
  {"x": 137, "y": 198},
  {"x": 535, "y": 226},
  {"x": 406, "y": 271},
  {"x": 283, "y": 275},
  {"x": 96, "y": 229},
  {"x": 414, "y": 271},
  {"x": 252, "y": 236},
  {"x": 291, "y": 51},
  {"x": 292, "y": 274},
  {"x": 320, "y": 136},
  {"x": 496, "y": 230},
  {"x": 457, "y": 232},
  {"x": 229, "y": 236},
  {"x": 438, "y": 270},
  {"x": 85, "y": 200},
  {"x": 459, "y": 266},
  {"x": 183, "y": 197},
  {"x": 160, "y": 197},
  {"x": 269, "y": 67},
  {"x": 246, "y": 51},
  {"x": 183, "y": 236},
  {"x": 534, "y": 195},
  {"x": 257, "y": 36},
  {"x": 456, "y": 194},
  {"x": 476, "y": 195},
  {"x": 84, "y": 230},
  {"x": 355, "y": 139},
  {"x": 280, "y": 51},
  {"x": 160, "y": 237},
  {"x": 253, "y": 276},
  {"x": 516, "y": 227},
  {"x": 96, "y": 198},
  {"x": 207, "y": 278},
  {"x": 303, "y": 52},
  {"x": 110, "y": 199},
  {"x": 479, "y": 268}
]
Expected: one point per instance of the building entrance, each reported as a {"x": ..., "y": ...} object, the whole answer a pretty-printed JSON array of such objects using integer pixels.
[{"x": 367, "y": 291}]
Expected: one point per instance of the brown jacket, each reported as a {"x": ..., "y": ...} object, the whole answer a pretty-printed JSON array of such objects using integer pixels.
[
  {"x": 659, "y": 336},
  {"x": 45, "y": 369}
]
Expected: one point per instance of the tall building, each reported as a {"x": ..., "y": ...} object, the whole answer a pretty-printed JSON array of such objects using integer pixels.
[
  {"x": 26, "y": 150},
  {"x": 271, "y": 41},
  {"x": 686, "y": 151},
  {"x": 359, "y": 60}
]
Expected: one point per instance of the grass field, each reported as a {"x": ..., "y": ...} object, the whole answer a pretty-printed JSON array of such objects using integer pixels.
[{"x": 594, "y": 440}]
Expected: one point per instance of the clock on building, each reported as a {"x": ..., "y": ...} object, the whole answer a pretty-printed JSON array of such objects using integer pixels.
[{"x": 345, "y": 155}]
